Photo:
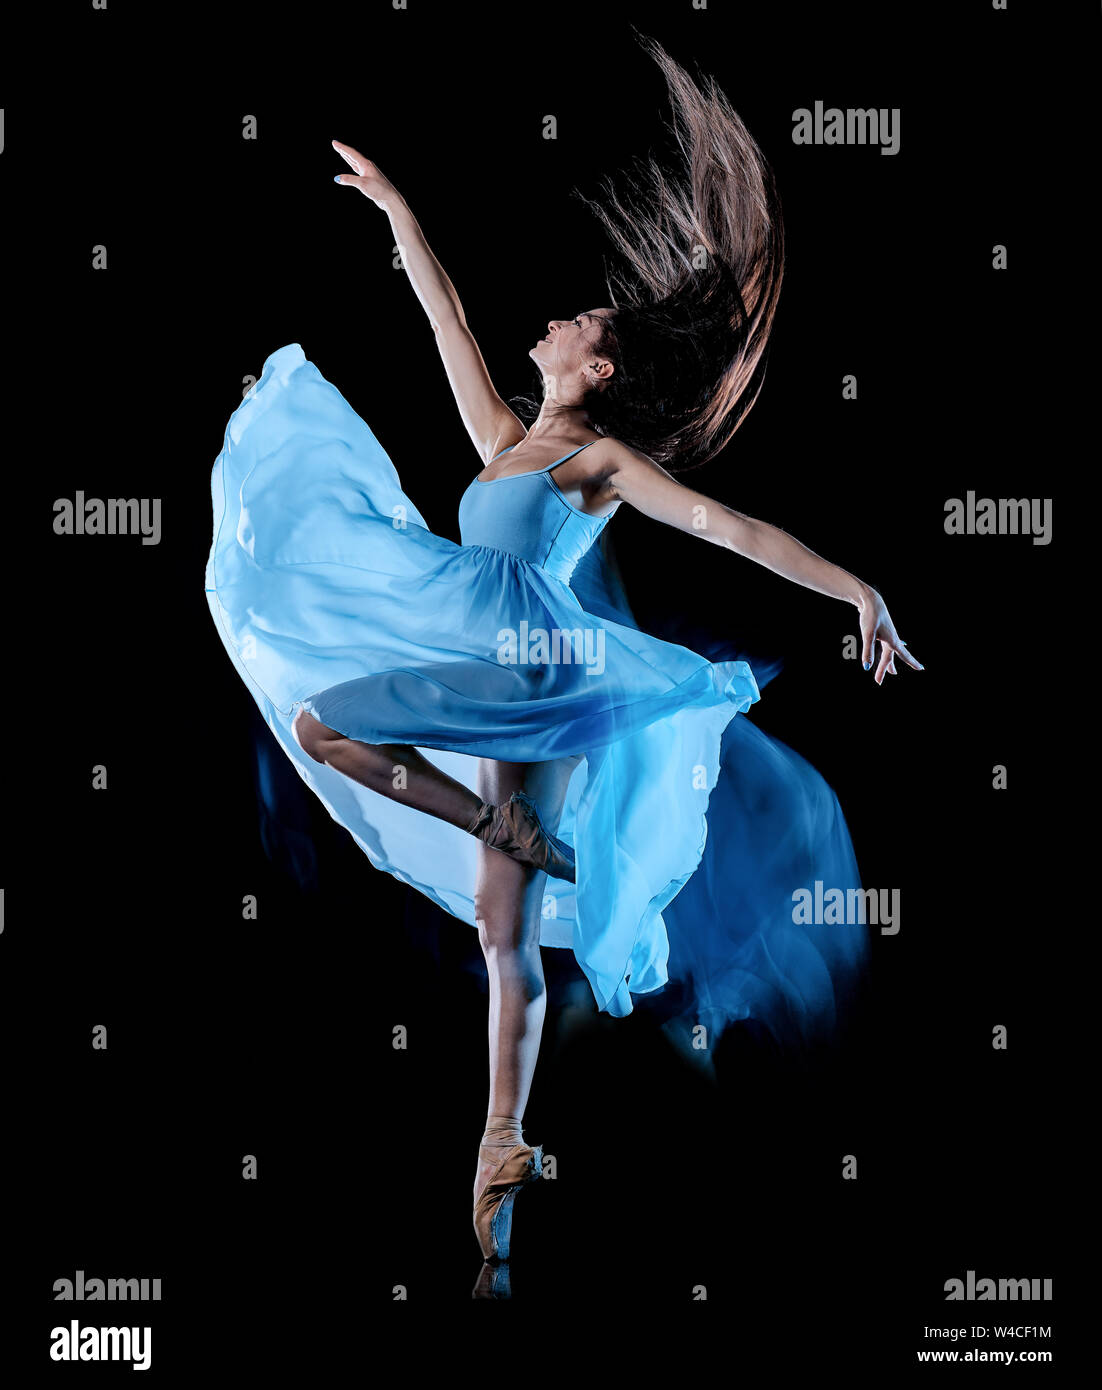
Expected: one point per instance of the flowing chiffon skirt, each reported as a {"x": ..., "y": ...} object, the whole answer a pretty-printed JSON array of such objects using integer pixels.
[{"x": 691, "y": 829}]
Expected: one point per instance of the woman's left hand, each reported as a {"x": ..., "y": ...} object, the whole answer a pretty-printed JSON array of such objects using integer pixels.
[{"x": 877, "y": 626}]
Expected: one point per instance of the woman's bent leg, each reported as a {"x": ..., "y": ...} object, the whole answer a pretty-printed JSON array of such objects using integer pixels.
[{"x": 396, "y": 770}]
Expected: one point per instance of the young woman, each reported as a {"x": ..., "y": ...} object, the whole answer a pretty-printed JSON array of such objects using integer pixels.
[{"x": 485, "y": 718}]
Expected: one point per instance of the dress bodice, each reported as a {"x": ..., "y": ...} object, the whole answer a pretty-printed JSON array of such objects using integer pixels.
[{"x": 526, "y": 514}]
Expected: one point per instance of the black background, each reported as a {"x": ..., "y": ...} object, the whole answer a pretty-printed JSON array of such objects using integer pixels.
[{"x": 231, "y": 1037}]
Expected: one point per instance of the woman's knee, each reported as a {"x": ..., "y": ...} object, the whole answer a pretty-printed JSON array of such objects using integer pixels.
[
  {"x": 515, "y": 965},
  {"x": 312, "y": 736},
  {"x": 505, "y": 929}
]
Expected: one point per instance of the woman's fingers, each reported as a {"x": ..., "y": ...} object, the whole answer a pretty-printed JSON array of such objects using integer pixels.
[
  {"x": 890, "y": 647},
  {"x": 904, "y": 655},
  {"x": 886, "y": 665},
  {"x": 350, "y": 156}
]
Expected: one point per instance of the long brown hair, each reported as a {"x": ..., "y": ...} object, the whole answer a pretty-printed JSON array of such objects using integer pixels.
[{"x": 702, "y": 256}]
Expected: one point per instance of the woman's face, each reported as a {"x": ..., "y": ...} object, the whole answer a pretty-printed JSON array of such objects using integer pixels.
[{"x": 567, "y": 352}]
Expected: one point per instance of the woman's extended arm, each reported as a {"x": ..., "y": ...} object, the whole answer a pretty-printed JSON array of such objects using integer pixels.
[
  {"x": 488, "y": 420},
  {"x": 641, "y": 483}
]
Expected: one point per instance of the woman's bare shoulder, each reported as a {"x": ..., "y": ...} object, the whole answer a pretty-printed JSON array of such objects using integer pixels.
[{"x": 611, "y": 457}]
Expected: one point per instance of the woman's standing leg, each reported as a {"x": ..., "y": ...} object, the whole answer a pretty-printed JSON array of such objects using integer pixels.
[{"x": 508, "y": 911}]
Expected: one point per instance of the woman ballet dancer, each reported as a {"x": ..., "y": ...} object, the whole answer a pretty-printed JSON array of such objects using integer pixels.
[{"x": 485, "y": 718}]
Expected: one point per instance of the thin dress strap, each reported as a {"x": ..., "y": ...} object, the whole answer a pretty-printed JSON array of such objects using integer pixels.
[
  {"x": 546, "y": 467},
  {"x": 570, "y": 455}
]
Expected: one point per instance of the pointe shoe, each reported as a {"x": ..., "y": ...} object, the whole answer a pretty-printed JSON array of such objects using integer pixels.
[
  {"x": 515, "y": 828},
  {"x": 493, "y": 1211}
]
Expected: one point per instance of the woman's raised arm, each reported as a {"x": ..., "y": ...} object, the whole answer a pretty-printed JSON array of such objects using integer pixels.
[
  {"x": 490, "y": 423},
  {"x": 641, "y": 483}
]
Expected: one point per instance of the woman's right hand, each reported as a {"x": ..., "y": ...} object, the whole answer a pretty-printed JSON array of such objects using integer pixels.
[{"x": 366, "y": 178}]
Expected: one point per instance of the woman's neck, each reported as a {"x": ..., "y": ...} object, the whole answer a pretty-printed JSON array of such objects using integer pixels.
[{"x": 555, "y": 419}]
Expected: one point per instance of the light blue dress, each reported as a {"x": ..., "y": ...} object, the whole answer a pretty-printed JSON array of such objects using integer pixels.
[{"x": 330, "y": 593}]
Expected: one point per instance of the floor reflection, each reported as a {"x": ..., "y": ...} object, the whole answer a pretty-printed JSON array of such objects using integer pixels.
[{"x": 493, "y": 1281}]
